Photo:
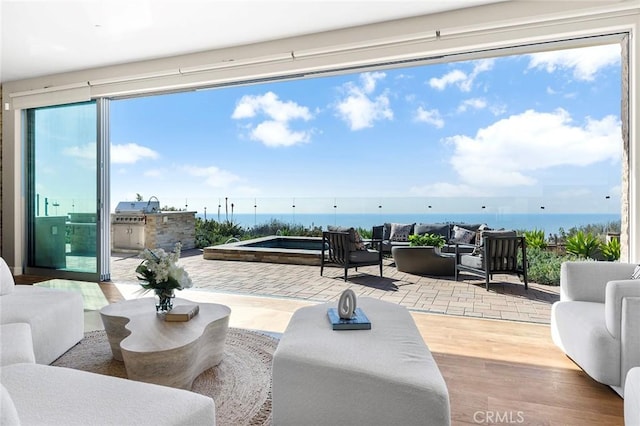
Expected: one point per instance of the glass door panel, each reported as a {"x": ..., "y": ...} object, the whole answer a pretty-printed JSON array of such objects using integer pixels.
[{"x": 62, "y": 188}]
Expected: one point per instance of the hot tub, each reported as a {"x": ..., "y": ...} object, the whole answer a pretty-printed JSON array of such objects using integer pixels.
[{"x": 272, "y": 249}]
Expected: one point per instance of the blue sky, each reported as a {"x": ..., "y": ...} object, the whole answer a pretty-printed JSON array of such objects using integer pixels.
[{"x": 512, "y": 132}]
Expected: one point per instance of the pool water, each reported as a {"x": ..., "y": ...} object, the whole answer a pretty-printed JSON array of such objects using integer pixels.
[{"x": 273, "y": 249}]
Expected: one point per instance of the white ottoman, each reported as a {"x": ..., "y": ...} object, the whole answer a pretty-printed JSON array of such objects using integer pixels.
[
  {"x": 382, "y": 376},
  {"x": 632, "y": 398},
  {"x": 16, "y": 345}
]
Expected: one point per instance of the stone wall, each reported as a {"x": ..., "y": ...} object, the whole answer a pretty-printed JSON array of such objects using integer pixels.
[{"x": 164, "y": 230}]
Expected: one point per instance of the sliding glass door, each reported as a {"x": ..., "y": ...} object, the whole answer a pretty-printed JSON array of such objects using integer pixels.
[{"x": 63, "y": 204}]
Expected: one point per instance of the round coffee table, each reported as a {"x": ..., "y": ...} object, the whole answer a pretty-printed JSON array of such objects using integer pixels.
[
  {"x": 423, "y": 260},
  {"x": 162, "y": 352}
]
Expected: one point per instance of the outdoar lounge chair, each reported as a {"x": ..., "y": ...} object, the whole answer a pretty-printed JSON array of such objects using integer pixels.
[
  {"x": 497, "y": 254},
  {"x": 345, "y": 249}
]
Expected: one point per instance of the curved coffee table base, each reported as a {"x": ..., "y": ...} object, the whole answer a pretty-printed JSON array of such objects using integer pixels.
[
  {"x": 166, "y": 353},
  {"x": 423, "y": 261}
]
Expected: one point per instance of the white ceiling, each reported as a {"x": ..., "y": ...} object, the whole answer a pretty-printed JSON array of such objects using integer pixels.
[{"x": 41, "y": 37}]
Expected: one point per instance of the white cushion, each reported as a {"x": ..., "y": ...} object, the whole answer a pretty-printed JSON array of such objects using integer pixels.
[
  {"x": 16, "y": 345},
  {"x": 8, "y": 413},
  {"x": 72, "y": 397},
  {"x": 7, "y": 282}
]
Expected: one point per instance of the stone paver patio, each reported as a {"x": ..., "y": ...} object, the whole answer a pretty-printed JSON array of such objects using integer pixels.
[{"x": 506, "y": 299}]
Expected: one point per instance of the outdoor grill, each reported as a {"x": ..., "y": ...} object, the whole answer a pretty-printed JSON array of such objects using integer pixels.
[
  {"x": 128, "y": 222},
  {"x": 137, "y": 225},
  {"x": 139, "y": 207}
]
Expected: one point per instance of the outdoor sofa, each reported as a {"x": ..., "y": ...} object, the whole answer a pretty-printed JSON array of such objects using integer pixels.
[{"x": 397, "y": 234}]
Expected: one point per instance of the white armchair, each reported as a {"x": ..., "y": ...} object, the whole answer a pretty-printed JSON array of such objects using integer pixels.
[{"x": 597, "y": 320}]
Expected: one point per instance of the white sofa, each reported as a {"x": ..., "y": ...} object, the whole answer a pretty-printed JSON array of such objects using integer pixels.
[
  {"x": 39, "y": 395},
  {"x": 632, "y": 398},
  {"x": 597, "y": 320},
  {"x": 34, "y": 394},
  {"x": 56, "y": 317}
]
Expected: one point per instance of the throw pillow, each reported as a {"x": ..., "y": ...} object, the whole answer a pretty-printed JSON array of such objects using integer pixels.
[
  {"x": 355, "y": 240},
  {"x": 636, "y": 273},
  {"x": 400, "y": 231},
  {"x": 479, "y": 232},
  {"x": 462, "y": 235},
  {"x": 432, "y": 228}
]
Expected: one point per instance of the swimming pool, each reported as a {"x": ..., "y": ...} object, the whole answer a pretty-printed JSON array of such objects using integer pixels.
[{"x": 272, "y": 249}]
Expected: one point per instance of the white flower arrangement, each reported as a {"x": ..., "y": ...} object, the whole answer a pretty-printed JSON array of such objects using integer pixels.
[{"x": 160, "y": 271}]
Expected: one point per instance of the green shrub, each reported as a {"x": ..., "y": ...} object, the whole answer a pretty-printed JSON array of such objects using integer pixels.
[
  {"x": 276, "y": 227},
  {"x": 211, "y": 232},
  {"x": 535, "y": 239},
  {"x": 586, "y": 246},
  {"x": 434, "y": 240},
  {"x": 365, "y": 233},
  {"x": 544, "y": 266},
  {"x": 611, "y": 250}
]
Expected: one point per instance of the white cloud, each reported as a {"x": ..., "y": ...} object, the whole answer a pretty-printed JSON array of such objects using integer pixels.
[
  {"x": 584, "y": 62},
  {"x": 359, "y": 109},
  {"x": 131, "y": 153},
  {"x": 475, "y": 103},
  {"x": 498, "y": 109},
  {"x": 431, "y": 116},
  {"x": 84, "y": 152},
  {"x": 463, "y": 80},
  {"x": 278, "y": 133},
  {"x": 444, "y": 189},
  {"x": 212, "y": 176},
  {"x": 507, "y": 152},
  {"x": 154, "y": 173},
  {"x": 275, "y": 130},
  {"x": 449, "y": 78},
  {"x": 370, "y": 79}
]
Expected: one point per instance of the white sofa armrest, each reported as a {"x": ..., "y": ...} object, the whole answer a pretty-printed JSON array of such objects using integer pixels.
[
  {"x": 615, "y": 292},
  {"x": 586, "y": 281},
  {"x": 630, "y": 336}
]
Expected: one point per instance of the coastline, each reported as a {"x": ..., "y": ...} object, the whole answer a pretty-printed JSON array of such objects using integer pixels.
[{"x": 549, "y": 222}]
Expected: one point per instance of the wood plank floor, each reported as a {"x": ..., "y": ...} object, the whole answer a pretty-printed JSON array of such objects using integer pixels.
[{"x": 497, "y": 372}]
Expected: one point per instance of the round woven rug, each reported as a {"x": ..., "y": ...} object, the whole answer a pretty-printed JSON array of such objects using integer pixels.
[{"x": 240, "y": 385}]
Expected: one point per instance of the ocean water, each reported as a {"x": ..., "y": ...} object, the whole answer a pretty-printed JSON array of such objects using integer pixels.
[{"x": 549, "y": 222}]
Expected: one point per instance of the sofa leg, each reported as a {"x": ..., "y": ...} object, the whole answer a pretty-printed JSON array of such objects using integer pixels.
[{"x": 345, "y": 274}]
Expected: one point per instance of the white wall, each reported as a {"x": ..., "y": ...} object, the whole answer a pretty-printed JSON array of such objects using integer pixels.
[{"x": 462, "y": 34}]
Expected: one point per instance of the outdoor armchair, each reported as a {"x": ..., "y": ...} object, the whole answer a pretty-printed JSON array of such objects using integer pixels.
[
  {"x": 340, "y": 248},
  {"x": 501, "y": 252}
]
